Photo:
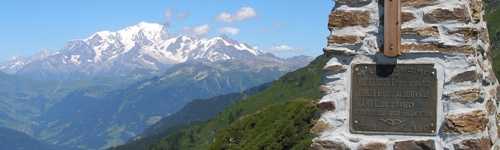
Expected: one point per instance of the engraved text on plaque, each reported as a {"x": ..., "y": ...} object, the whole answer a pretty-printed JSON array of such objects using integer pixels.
[{"x": 394, "y": 99}]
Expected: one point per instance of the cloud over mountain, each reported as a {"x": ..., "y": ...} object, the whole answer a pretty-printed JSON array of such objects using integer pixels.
[
  {"x": 229, "y": 30},
  {"x": 242, "y": 14}
]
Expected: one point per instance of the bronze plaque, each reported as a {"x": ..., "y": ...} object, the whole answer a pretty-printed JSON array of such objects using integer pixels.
[{"x": 394, "y": 99}]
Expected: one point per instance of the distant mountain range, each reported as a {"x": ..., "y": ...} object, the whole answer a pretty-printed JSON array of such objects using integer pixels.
[
  {"x": 137, "y": 51},
  {"x": 106, "y": 89}
]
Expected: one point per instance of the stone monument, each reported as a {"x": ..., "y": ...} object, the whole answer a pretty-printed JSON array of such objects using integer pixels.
[{"x": 408, "y": 75}]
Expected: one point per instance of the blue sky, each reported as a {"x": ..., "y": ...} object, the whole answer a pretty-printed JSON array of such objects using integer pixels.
[{"x": 284, "y": 27}]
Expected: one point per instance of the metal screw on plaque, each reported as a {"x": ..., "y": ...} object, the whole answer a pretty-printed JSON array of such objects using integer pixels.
[{"x": 356, "y": 122}]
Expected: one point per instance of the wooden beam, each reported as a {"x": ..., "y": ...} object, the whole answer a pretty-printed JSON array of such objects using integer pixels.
[{"x": 392, "y": 28}]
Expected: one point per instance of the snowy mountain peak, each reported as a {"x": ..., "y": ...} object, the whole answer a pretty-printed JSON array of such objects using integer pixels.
[
  {"x": 226, "y": 41},
  {"x": 146, "y": 27},
  {"x": 151, "y": 31},
  {"x": 149, "y": 26},
  {"x": 144, "y": 47}
]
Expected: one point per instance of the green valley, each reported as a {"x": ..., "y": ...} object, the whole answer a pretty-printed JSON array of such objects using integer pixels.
[{"x": 285, "y": 111}]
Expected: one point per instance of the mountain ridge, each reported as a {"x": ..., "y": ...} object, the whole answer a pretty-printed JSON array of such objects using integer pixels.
[
  {"x": 123, "y": 114},
  {"x": 194, "y": 112},
  {"x": 141, "y": 50},
  {"x": 296, "y": 91}
]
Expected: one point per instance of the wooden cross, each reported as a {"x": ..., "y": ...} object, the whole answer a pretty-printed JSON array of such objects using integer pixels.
[{"x": 392, "y": 28}]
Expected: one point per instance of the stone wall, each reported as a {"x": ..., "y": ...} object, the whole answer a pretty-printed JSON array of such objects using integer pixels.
[{"x": 452, "y": 35}]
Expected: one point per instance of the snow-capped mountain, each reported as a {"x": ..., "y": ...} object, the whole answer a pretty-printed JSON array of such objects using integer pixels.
[
  {"x": 17, "y": 63},
  {"x": 104, "y": 108},
  {"x": 142, "y": 49}
]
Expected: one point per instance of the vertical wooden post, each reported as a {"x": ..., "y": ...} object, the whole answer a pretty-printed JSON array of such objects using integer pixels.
[{"x": 392, "y": 28}]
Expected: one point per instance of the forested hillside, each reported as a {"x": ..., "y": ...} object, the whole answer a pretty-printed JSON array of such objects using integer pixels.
[
  {"x": 278, "y": 117},
  {"x": 197, "y": 111}
]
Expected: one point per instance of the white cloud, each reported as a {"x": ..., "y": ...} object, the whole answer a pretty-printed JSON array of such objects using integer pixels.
[
  {"x": 283, "y": 48},
  {"x": 170, "y": 15},
  {"x": 198, "y": 30},
  {"x": 245, "y": 13},
  {"x": 183, "y": 15},
  {"x": 242, "y": 14},
  {"x": 225, "y": 17},
  {"x": 229, "y": 30}
]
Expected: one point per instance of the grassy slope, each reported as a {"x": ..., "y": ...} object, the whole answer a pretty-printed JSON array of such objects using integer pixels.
[
  {"x": 280, "y": 126},
  {"x": 285, "y": 106},
  {"x": 196, "y": 111},
  {"x": 493, "y": 18}
]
